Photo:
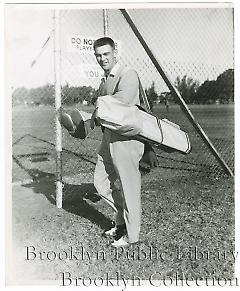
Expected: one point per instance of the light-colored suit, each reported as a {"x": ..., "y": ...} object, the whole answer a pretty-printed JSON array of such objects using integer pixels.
[{"x": 119, "y": 156}]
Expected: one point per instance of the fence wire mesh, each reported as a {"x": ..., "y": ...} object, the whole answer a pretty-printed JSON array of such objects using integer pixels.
[
  {"x": 189, "y": 62},
  {"x": 193, "y": 46},
  {"x": 33, "y": 128}
]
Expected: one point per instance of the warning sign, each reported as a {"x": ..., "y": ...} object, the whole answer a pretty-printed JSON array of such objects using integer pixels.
[
  {"x": 90, "y": 71},
  {"x": 84, "y": 44}
]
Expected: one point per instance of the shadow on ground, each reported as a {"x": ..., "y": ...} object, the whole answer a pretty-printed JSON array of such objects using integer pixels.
[{"x": 77, "y": 199}]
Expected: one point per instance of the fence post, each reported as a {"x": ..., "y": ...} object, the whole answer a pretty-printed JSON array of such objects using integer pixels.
[
  {"x": 57, "y": 81},
  {"x": 175, "y": 92},
  {"x": 105, "y": 22}
]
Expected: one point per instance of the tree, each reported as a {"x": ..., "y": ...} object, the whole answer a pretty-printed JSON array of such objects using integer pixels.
[
  {"x": 207, "y": 93},
  {"x": 42, "y": 95},
  {"x": 20, "y": 95},
  {"x": 74, "y": 95},
  {"x": 151, "y": 94},
  {"x": 45, "y": 95},
  {"x": 187, "y": 87},
  {"x": 225, "y": 86},
  {"x": 220, "y": 90}
]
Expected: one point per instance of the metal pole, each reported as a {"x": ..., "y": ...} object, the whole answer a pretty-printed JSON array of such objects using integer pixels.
[
  {"x": 176, "y": 94},
  {"x": 57, "y": 79},
  {"x": 105, "y": 22}
]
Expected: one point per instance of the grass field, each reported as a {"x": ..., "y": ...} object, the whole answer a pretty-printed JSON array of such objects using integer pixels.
[
  {"x": 34, "y": 138},
  {"x": 185, "y": 209}
]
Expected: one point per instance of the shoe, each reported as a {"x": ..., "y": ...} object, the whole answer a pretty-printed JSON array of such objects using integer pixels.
[
  {"x": 121, "y": 242},
  {"x": 111, "y": 231},
  {"x": 116, "y": 231},
  {"x": 120, "y": 231},
  {"x": 67, "y": 122}
]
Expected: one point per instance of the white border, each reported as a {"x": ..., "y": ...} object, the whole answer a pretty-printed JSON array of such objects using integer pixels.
[
  {"x": 5, "y": 107},
  {"x": 237, "y": 136},
  {"x": 122, "y": 4}
]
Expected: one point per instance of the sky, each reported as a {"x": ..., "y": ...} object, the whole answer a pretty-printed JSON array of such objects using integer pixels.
[
  {"x": 197, "y": 42},
  {"x": 26, "y": 31}
]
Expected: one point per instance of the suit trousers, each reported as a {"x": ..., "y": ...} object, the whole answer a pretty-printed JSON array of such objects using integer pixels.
[{"x": 118, "y": 158}]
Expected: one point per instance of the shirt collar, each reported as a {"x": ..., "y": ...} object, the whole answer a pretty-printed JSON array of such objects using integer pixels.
[{"x": 114, "y": 70}]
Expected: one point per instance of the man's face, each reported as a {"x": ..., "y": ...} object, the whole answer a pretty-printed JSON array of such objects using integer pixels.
[{"x": 105, "y": 56}]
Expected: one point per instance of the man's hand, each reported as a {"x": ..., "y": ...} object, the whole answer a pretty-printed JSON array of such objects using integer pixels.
[
  {"x": 94, "y": 122},
  {"x": 94, "y": 100}
]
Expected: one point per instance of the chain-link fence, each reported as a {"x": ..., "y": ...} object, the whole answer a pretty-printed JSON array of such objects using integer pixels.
[
  {"x": 31, "y": 78},
  {"x": 188, "y": 44},
  {"x": 193, "y": 46}
]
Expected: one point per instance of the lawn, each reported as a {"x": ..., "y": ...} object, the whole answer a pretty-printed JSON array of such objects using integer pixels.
[
  {"x": 34, "y": 139},
  {"x": 187, "y": 216}
]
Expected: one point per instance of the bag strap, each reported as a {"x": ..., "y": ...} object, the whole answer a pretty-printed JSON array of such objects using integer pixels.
[{"x": 142, "y": 95}]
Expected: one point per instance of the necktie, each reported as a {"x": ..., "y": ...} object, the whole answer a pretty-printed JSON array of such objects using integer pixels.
[{"x": 101, "y": 86}]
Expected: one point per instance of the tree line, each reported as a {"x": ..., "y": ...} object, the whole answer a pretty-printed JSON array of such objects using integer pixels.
[
  {"x": 46, "y": 95},
  {"x": 220, "y": 90}
]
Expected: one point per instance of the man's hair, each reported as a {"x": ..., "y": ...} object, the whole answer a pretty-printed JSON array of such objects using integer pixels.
[{"x": 103, "y": 41}]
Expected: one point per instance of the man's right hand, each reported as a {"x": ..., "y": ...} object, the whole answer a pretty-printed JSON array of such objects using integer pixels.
[
  {"x": 93, "y": 100},
  {"x": 94, "y": 122}
]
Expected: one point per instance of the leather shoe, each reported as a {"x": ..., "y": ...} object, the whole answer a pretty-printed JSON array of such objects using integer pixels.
[{"x": 121, "y": 242}]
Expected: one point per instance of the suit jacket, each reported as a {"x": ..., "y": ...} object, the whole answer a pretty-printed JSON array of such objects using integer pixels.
[{"x": 123, "y": 84}]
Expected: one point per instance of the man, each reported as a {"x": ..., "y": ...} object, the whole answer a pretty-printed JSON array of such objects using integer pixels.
[{"x": 119, "y": 156}]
